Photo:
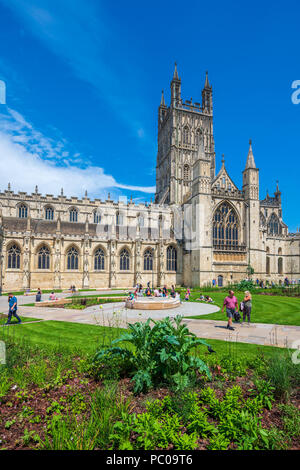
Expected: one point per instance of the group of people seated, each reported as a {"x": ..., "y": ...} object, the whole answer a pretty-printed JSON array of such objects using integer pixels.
[
  {"x": 157, "y": 292},
  {"x": 38, "y": 297},
  {"x": 205, "y": 298}
]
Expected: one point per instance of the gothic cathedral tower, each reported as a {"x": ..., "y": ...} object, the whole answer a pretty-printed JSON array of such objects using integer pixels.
[{"x": 181, "y": 128}]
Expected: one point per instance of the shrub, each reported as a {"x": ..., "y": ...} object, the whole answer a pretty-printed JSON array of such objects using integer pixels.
[{"x": 162, "y": 354}]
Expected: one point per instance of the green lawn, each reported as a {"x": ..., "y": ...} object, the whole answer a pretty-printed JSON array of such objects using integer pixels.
[
  {"x": 74, "y": 336},
  {"x": 3, "y": 319},
  {"x": 85, "y": 339},
  {"x": 265, "y": 309}
]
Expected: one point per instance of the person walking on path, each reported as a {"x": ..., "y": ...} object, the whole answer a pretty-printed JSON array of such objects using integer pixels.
[
  {"x": 247, "y": 306},
  {"x": 231, "y": 304},
  {"x": 13, "y": 307}
]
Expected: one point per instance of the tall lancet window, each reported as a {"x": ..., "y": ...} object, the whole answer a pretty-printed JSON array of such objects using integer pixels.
[{"x": 186, "y": 135}]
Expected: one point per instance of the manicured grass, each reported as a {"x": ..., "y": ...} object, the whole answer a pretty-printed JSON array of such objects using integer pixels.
[
  {"x": 74, "y": 336},
  {"x": 3, "y": 319},
  {"x": 265, "y": 309},
  {"x": 87, "y": 338}
]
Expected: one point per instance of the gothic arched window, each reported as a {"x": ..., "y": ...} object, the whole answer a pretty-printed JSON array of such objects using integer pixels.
[
  {"x": 97, "y": 217},
  {"x": 44, "y": 258},
  {"x": 198, "y": 136},
  {"x": 72, "y": 258},
  {"x": 186, "y": 135},
  {"x": 171, "y": 258},
  {"x": 274, "y": 227},
  {"x": 73, "y": 215},
  {"x": 49, "y": 213},
  {"x": 23, "y": 211},
  {"x": 148, "y": 260},
  {"x": 186, "y": 173},
  {"x": 124, "y": 260},
  {"x": 14, "y": 257},
  {"x": 99, "y": 260},
  {"x": 225, "y": 226}
]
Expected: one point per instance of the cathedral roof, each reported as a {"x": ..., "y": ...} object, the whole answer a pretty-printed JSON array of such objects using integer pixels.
[{"x": 218, "y": 180}]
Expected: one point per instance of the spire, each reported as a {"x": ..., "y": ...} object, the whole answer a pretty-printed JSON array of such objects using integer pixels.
[
  {"x": 175, "y": 74},
  {"x": 162, "y": 101},
  {"x": 206, "y": 85},
  {"x": 223, "y": 160},
  {"x": 250, "y": 159}
]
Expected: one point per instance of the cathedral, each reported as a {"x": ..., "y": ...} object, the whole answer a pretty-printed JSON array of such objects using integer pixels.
[{"x": 201, "y": 226}]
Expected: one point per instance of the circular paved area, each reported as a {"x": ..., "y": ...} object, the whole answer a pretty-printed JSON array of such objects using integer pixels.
[{"x": 114, "y": 314}]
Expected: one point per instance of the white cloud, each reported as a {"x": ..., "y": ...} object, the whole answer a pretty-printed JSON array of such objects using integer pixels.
[{"x": 28, "y": 158}]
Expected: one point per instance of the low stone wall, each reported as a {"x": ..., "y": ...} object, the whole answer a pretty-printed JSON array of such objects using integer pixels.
[
  {"x": 51, "y": 303},
  {"x": 152, "y": 304}
]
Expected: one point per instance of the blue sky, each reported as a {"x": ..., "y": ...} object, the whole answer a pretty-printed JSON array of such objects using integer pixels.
[{"x": 84, "y": 80}]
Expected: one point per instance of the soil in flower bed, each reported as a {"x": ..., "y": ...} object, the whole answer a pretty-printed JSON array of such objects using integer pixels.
[{"x": 25, "y": 414}]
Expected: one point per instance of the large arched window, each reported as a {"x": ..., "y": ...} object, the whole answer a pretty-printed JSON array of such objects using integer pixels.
[
  {"x": 14, "y": 257},
  {"x": 280, "y": 266},
  {"x": 225, "y": 226},
  {"x": 44, "y": 258},
  {"x": 274, "y": 227},
  {"x": 99, "y": 260},
  {"x": 49, "y": 213},
  {"x": 171, "y": 258},
  {"x": 124, "y": 260},
  {"x": 72, "y": 258},
  {"x": 73, "y": 215},
  {"x": 186, "y": 135},
  {"x": 148, "y": 260},
  {"x": 23, "y": 211}
]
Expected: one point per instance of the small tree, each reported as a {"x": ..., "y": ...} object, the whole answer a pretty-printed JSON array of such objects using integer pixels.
[{"x": 250, "y": 270}]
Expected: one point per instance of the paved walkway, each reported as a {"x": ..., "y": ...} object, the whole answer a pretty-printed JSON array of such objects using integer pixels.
[{"x": 114, "y": 314}]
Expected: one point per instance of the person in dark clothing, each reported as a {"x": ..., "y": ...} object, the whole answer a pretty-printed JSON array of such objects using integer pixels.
[
  {"x": 13, "y": 307},
  {"x": 38, "y": 296}
]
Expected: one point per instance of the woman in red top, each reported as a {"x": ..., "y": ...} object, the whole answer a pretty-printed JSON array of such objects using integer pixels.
[{"x": 231, "y": 304}]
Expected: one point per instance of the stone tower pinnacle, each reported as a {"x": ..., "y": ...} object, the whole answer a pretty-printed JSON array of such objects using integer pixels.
[{"x": 250, "y": 159}]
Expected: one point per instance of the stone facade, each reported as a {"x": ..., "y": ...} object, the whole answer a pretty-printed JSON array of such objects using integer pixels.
[{"x": 201, "y": 226}]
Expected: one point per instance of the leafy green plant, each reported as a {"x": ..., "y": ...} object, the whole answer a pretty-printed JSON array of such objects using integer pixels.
[
  {"x": 161, "y": 354},
  {"x": 290, "y": 419},
  {"x": 263, "y": 391},
  {"x": 218, "y": 442}
]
